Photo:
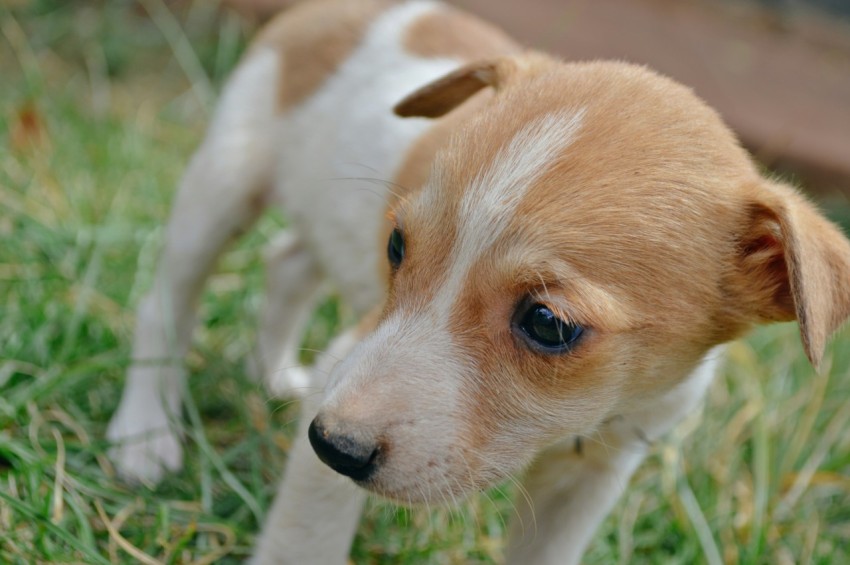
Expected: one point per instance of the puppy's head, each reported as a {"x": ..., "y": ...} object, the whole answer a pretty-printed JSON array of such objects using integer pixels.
[{"x": 579, "y": 247}]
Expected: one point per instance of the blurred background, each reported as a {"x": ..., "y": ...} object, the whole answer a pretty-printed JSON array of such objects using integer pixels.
[
  {"x": 101, "y": 104},
  {"x": 777, "y": 70}
]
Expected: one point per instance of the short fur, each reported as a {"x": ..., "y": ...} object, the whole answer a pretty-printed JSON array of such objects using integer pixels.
[{"x": 610, "y": 194}]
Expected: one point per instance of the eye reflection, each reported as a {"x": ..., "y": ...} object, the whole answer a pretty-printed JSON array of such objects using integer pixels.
[
  {"x": 395, "y": 248},
  {"x": 543, "y": 330}
]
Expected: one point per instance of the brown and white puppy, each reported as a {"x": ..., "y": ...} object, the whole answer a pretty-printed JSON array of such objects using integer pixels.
[{"x": 568, "y": 246}]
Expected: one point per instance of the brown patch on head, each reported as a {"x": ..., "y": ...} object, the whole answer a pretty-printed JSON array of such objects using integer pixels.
[
  {"x": 670, "y": 244},
  {"x": 314, "y": 38},
  {"x": 646, "y": 202},
  {"x": 450, "y": 33}
]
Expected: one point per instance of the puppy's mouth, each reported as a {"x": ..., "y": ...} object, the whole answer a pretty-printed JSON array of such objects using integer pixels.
[{"x": 428, "y": 487}]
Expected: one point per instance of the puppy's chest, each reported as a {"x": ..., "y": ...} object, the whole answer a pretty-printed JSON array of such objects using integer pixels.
[{"x": 641, "y": 423}]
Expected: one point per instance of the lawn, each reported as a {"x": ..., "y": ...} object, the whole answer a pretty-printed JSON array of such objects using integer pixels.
[{"x": 101, "y": 104}]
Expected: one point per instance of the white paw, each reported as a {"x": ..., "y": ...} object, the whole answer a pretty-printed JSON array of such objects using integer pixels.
[
  {"x": 294, "y": 382},
  {"x": 145, "y": 444}
]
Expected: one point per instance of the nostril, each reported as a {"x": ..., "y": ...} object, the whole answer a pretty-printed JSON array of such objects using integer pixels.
[{"x": 343, "y": 454}]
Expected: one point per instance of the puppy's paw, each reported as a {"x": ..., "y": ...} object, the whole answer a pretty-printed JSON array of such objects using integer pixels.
[
  {"x": 294, "y": 382},
  {"x": 145, "y": 445}
]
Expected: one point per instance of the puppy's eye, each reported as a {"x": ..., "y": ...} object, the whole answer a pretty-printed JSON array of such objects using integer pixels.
[
  {"x": 395, "y": 248},
  {"x": 543, "y": 330}
]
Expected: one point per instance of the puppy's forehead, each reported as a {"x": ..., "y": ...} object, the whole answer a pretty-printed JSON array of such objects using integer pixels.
[
  {"x": 483, "y": 175},
  {"x": 589, "y": 122},
  {"x": 494, "y": 190},
  {"x": 620, "y": 173},
  {"x": 651, "y": 185}
]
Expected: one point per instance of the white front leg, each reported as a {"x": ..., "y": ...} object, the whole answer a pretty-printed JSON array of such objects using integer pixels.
[
  {"x": 573, "y": 487},
  {"x": 571, "y": 491},
  {"x": 316, "y": 511}
]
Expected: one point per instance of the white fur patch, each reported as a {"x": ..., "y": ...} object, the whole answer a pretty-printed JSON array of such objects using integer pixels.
[
  {"x": 340, "y": 150},
  {"x": 247, "y": 101},
  {"x": 493, "y": 197}
]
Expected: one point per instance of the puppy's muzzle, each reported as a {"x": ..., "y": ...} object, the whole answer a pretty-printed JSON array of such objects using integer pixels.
[{"x": 353, "y": 457}]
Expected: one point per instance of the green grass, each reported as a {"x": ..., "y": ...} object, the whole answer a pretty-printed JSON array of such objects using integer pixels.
[{"x": 101, "y": 105}]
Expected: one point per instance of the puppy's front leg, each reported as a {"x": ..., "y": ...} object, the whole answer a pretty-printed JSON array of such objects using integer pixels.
[
  {"x": 223, "y": 190},
  {"x": 293, "y": 286},
  {"x": 207, "y": 214},
  {"x": 316, "y": 510},
  {"x": 572, "y": 487}
]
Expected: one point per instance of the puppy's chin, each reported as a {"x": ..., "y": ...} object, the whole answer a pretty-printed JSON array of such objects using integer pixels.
[
  {"x": 422, "y": 491},
  {"x": 433, "y": 482}
]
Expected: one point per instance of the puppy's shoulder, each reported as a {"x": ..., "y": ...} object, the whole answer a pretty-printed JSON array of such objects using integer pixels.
[{"x": 313, "y": 39}]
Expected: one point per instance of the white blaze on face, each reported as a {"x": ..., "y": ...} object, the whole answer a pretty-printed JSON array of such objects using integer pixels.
[
  {"x": 492, "y": 198},
  {"x": 485, "y": 211},
  {"x": 405, "y": 381}
]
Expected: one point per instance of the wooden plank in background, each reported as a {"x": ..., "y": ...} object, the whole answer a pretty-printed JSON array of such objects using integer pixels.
[{"x": 787, "y": 96}]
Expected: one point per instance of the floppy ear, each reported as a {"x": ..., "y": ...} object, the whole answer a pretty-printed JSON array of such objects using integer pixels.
[
  {"x": 796, "y": 265},
  {"x": 440, "y": 97}
]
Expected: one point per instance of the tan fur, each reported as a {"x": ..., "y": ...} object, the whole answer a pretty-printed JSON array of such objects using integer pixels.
[
  {"x": 685, "y": 158},
  {"x": 794, "y": 264},
  {"x": 639, "y": 227},
  {"x": 445, "y": 94},
  {"x": 323, "y": 32},
  {"x": 447, "y": 32}
]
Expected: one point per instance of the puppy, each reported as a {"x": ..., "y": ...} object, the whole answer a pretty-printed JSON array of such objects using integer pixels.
[{"x": 540, "y": 251}]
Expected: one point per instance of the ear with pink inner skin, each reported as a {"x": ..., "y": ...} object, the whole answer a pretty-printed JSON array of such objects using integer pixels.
[{"x": 796, "y": 265}]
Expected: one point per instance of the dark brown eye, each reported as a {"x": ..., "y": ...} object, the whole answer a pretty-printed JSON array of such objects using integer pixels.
[
  {"x": 543, "y": 330},
  {"x": 395, "y": 248}
]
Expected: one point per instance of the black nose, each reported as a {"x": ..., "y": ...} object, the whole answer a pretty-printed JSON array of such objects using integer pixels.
[{"x": 343, "y": 454}]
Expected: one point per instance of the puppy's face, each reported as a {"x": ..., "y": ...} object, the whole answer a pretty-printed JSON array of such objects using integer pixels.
[{"x": 578, "y": 248}]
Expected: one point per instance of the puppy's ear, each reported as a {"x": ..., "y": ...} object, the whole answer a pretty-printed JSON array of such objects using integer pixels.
[
  {"x": 440, "y": 97},
  {"x": 448, "y": 92},
  {"x": 796, "y": 265}
]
